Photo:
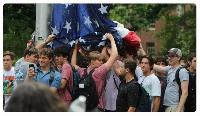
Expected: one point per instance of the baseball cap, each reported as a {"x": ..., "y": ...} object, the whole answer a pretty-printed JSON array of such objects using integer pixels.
[{"x": 175, "y": 51}]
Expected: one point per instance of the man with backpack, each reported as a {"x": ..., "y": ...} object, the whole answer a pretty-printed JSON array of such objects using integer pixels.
[
  {"x": 45, "y": 73},
  {"x": 95, "y": 75},
  {"x": 173, "y": 100}
]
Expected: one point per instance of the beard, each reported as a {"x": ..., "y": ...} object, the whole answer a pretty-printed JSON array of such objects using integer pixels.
[{"x": 122, "y": 78}]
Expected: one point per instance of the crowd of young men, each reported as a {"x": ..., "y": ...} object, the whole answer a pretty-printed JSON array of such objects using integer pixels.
[{"x": 115, "y": 76}]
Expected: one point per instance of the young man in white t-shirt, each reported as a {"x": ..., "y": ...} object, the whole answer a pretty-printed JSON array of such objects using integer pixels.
[
  {"x": 150, "y": 82},
  {"x": 8, "y": 76}
]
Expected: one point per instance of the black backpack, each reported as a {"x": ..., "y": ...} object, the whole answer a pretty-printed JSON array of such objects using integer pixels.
[
  {"x": 177, "y": 79},
  {"x": 85, "y": 86},
  {"x": 144, "y": 103}
]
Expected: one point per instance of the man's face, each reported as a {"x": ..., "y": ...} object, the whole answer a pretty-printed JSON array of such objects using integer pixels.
[
  {"x": 59, "y": 60},
  {"x": 44, "y": 61},
  {"x": 173, "y": 59},
  {"x": 193, "y": 63},
  {"x": 7, "y": 62},
  {"x": 98, "y": 62},
  {"x": 145, "y": 66},
  {"x": 33, "y": 58}
]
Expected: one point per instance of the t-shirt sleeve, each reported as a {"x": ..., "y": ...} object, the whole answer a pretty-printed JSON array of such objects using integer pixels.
[
  {"x": 66, "y": 72},
  {"x": 100, "y": 72},
  {"x": 156, "y": 87},
  {"x": 81, "y": 71},
  {"x": 133, "y": 95},
  {"x": 183, "y": 74},
  {"x": 166, "y": 69}
]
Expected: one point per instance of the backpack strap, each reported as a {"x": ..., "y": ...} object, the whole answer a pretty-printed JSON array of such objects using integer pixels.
[
  {"x": 52, "y": 74},
  {"x": 90, "y": 73},
  {"x": 115, "y": 82},
  {"x": 177, "y": 79}
]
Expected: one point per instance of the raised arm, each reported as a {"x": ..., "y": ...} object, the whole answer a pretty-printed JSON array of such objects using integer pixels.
[
  {"x": 114, "y": 52},
  {"x": 141, "y": 51},
  {"x": 74, "y": 57},
  {"x": 49, "y": 39},
  {"x": 159, "y": 68}
]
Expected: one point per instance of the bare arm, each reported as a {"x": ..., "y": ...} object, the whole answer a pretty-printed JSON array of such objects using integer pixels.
[
  {"x": 141, "y": 51},
  {"x": 63, "y": 83},
  {"x": 114, "y": 52},
  {"x": 74, "y": 57},
  {"x": 131, "y": 109},
  {"x": 159, "y": 68},
  {"x": 104, "y": 53},
  {"x": 49, "y": 39},
  {"x": 155, "y": 103},
  {"x": 184, "y": 88}
]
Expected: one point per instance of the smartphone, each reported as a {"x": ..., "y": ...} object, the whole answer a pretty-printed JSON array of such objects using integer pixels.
[{"x": 31, "y": 66}]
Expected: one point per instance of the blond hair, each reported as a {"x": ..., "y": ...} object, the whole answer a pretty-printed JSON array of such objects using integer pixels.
[{"x": 94, "y": 55}]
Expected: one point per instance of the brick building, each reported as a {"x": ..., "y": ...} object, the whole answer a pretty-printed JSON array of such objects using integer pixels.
[{"x": 150, "y": 42}]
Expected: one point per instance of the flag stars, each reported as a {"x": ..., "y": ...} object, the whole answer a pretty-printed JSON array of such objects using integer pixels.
[
  {"x": 68, "y": 26},
  {"x": 81, "y": 40},
  {"x": 87, "y": 21},
  {"x": 66, "y": 5},
  {"x": 55, "y": 31},
  {"x": 72, "y": 43},
  {"x": 103, "y": 9},
  {"x": 101, "y": 43}
]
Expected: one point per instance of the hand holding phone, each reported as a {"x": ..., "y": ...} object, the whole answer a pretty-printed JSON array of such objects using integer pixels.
[
  {"x": 31, "y": 66},
  {"x": 31, "y": 70}
]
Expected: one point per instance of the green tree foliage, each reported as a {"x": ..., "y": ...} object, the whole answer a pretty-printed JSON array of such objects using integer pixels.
[
  {"x": 136, "y": 16},
  {"x": 179, "y": 31},
  {"x": 18, "y": 25}
]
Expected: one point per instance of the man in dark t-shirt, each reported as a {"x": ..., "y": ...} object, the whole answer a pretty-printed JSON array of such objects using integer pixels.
[{"x": 128, "y": 94}]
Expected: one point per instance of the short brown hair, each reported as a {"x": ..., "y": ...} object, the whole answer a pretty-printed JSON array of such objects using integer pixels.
[
  {"x": 11, "y": 54},
  {"x": 150, "y": 59},
  {"x": 46, "y": 52},
  {"x": 30, "y": 50}
]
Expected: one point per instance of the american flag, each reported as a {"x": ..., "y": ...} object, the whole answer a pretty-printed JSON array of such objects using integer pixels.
[{"x": 86, "y": 23}]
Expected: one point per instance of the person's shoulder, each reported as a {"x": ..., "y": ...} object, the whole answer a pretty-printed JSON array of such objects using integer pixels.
[
  {"x": 134, "y": 85},
  {"x": 153, "y": 76},
  {"x": 56, "y": 72},
  {"x": 13, "y": 69},
  {"x": 67, "y": 65},
  {"x": 103, "y": 66},
  {"x": 183, "y": 69}
]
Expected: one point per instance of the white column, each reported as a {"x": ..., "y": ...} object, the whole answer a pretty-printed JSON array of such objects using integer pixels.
[{"x": 42, "y": 27}]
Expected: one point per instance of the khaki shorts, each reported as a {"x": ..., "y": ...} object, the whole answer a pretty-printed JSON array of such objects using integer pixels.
[{"x": 171, "y": 109}]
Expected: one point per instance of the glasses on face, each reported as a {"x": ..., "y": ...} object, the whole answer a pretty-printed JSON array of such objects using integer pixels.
[{"x": 171, "y": 55}]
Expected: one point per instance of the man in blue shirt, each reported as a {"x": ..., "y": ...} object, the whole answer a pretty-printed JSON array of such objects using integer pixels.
[{"x": 45, "y": 73}]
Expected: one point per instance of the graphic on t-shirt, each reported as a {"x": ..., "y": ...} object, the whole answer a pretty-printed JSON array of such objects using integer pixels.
[{"x": 8, "y": 85}]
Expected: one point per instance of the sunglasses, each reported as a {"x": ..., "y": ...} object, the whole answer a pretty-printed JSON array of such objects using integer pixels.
[{"x": 171, "y": 55}]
